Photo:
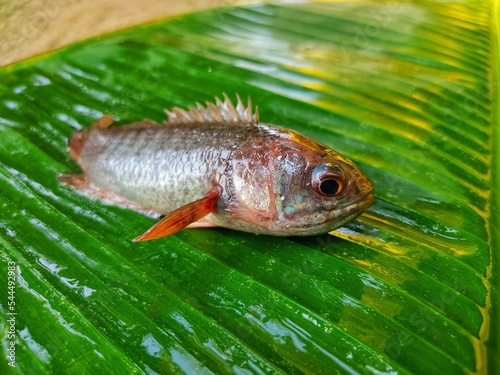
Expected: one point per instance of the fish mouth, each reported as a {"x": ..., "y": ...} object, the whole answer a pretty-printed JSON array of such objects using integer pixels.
[
  {"x": 366, "y": 200},
  {"x": 336, "y": 218},
  {"x": 355, "y": 208}
]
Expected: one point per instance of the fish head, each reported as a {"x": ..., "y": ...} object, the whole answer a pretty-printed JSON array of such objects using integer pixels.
[
  {"x": 317, "y": 190},
  {"x": 286, "y": 184}
]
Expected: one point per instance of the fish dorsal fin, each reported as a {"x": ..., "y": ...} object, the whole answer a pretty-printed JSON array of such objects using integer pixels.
[{"x": 221, "y": 111}]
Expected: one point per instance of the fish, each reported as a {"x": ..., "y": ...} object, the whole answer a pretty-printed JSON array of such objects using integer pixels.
[{"x": 218, "y": 166}]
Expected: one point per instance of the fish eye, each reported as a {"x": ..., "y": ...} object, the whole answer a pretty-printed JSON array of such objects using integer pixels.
[
  {"x": 327, "y": 180},
  {"x": 329, "y": 187}
]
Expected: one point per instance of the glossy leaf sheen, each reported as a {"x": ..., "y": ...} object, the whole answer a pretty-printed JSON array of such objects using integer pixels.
[{"x": 404, "y": 89}]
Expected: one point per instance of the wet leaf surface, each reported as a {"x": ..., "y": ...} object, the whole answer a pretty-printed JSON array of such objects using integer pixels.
[{"x": 403, "y": 89}]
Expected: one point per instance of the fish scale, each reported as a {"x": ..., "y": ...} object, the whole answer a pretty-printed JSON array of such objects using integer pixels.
[{"x": 155, "y": 162}]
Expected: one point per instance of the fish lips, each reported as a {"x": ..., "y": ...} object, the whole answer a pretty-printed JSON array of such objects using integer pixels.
[{"x": 351, "y": 210}]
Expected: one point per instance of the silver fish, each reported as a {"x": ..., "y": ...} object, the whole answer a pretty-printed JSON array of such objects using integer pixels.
[{"x": 219, "y": 166}]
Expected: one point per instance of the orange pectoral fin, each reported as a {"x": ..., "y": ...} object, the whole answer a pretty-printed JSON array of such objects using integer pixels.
[{"x": 183, "y": 216}]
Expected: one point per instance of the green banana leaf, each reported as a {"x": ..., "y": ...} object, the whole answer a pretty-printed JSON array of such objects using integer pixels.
[{"x": 408, "y": 90}]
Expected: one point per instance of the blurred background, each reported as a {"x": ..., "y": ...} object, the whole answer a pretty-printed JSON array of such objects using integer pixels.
[{"x": 29, "y": 27}]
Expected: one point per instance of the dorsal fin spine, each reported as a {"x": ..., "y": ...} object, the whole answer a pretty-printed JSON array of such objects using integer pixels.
[{"x": 218, "y": 112}]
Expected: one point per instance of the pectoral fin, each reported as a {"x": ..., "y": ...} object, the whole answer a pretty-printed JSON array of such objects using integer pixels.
[{"x": 183, "y": 216}]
